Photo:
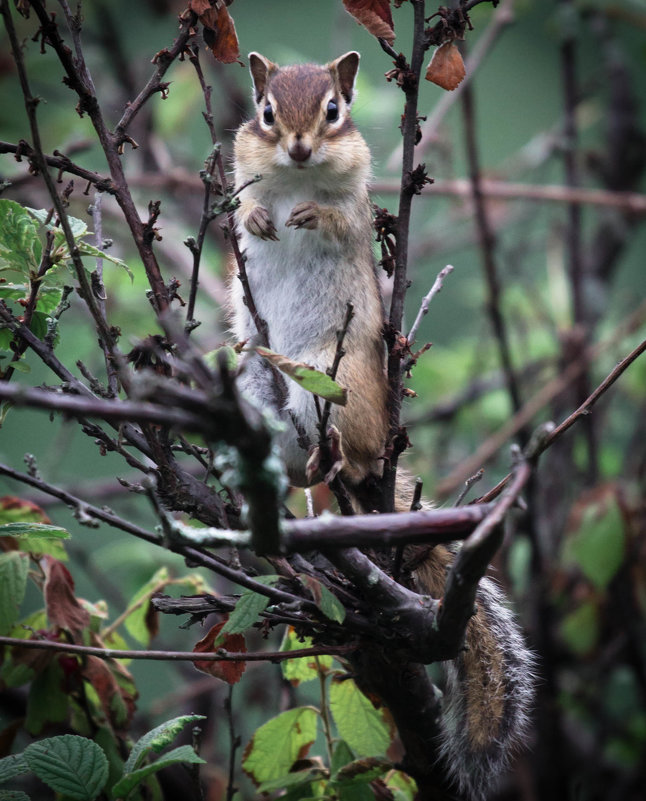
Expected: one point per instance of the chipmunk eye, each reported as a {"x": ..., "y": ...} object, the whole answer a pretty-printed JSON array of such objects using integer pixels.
[
  {"x": 332, "y": 111},
  {"x": 268, "y": 114}
]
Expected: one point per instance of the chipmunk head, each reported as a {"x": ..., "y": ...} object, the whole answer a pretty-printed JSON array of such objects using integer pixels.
[{"x": 302, "y": 109}]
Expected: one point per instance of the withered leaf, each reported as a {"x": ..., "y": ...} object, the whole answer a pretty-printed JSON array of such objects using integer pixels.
[
  {"x": 375, "y": 15},
  {"x": 219, "y": 29},
  {"x": 446, "y": 68},
  {"x": 63, "y": 608},
  {"x": 231, "y": 672}
]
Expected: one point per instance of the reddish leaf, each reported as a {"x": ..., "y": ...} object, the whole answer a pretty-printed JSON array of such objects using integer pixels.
[
  {"x": 219, "y": 30},
  {"x": 231, "y": 672},
  {"x": 63, "y": 608},
  {"x": 375, "y": 15},
  {"x": 199, "y": 6},
  {"x": 20, "y": 510},
  {"x": 118, "y": 704},
  {"x": 446, "y": 68}
]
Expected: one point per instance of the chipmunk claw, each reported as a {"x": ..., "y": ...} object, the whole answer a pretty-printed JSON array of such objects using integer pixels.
[
  {"x": 335, "y": 454},
  {"x": 304, "y": 215},
  {"x": 260, "y": 224}
]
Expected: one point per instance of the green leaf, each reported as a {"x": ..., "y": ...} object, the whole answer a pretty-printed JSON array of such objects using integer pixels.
[
  {"x": 401, "y": 785},
  {"x": 357, "y": 721},
  {"x": 13, "y": 583},
  {"x": 278, "y": 743},
  {"x": 157, "y": 739},
  {"x": 227, "y": 353},
  {"x": 37, "y": 538},
  {"x": 12, "y": 766},
  {"x": 363, "y": 771},
  {"x": 302, "y": 668},
  {"x": 341, "y": 757},
  {"x": 136, "y": 620},
  {"x": 89, "y": 250},
  {"x": 184, "y": 753},
  {"x": 20, "y": 245},
  {"x": 48, "y": 296},
  {"x": 69, "y": 764},
  {"x": 38, "y": 530},
  {"x": 580, "y": 629},
  {"x": 309, "y": 378},
  {"x": 291, "y": 780},
  {"x": 598, "y": 546},
  {"x": 13, "y": 795},
  {"x": 246, "y": 613},
  {"x": 326, "y": 601},
  {"x": 47, "y": 702}
]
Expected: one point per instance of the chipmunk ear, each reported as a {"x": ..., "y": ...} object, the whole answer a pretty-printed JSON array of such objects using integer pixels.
[
  {"x": 260, "y": 68},
  {"x": 345, "y": 69}
]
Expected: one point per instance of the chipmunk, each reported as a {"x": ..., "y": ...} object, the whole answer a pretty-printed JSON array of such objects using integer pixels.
[{"x": 305, "y": 229}]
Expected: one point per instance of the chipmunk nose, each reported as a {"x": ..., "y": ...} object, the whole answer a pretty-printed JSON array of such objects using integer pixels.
[{"x": 298, "y": 150}]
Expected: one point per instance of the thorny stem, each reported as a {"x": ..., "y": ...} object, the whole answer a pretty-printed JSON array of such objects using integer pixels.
[
  {"x": 31, "y": 103},
  {"x": 78, "y": 79},
  {"x": 400, "y": 281}
]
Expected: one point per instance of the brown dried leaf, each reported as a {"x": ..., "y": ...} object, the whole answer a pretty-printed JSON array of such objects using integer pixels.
[
  {"x": 446, "y": 68},
  {"x": 231, "y": 672},
  {"x": 63, "y": 608},
  {"x": 375, "y": 15},
  {"x": 199, "y": 6},
  {"x": 219, "y": 30}
]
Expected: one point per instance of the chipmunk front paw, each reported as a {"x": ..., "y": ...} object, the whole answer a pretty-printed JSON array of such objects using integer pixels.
[
  {"x": 260, "y": 224},
  {"x": 304, "y": 215}
]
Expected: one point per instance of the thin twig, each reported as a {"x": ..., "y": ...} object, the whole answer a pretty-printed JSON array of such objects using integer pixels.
[
  {"x": 487, "y": 243},
  {"x": 426, "y": 302},
  {"x": 221, "y": 655},
  {"x": 551, "y": 390},
  {"x": 410, "y": 122}
]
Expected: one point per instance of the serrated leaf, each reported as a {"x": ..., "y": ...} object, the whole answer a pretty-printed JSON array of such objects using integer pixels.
[
  {"x": 183, "y": 753},
  {"x": 89, "y": 250},
  {"x": 157, "y": 739},
  {"x": 249, "y": 607},
  {"x": 302, "y": 668},
  {"x": 12, "y": 766},
  {"x": 37, "y": 539},
  {"x": 20, "y": 245},
  {"x": 357, "y": 721},
  {"x": 40, "y": 530},
  {"x": 48, "y": 296},
  {"x": 78, "y": 227},
  {"x": 328, "y": 603},
  {"x": 69, "y": 764},
  {"x": 278, "y": 743},
  {"x": 13, "y": 582},
  {"x": 13, "y": 795},
  {"x": 311, "y": 379}
]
